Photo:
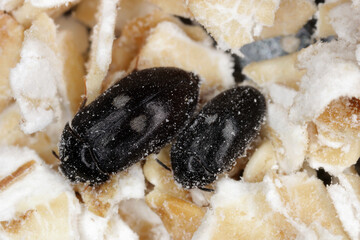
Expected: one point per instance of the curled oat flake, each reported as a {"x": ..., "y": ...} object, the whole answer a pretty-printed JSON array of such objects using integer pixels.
[{"x": 100, "y": 53}]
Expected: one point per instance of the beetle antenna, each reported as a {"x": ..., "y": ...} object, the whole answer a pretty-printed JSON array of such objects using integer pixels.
[
  {"x": 162, "y": 164},
  {"x": 136, "y": 64},
  {"x": 55, "y": 154},
  {"x": 83, "y": 102},
  {"x": 206, "y": 189},
  {"x": 72, "y": 132}
]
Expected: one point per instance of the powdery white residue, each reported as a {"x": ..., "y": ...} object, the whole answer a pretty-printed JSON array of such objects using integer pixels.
[
  {"x": 131, "y": 184},
  {"x": 347, "y": 206},
  {"x": 281, "y": 94},
  {"x": 50, "y": 4},
  {"x": 229, "y": 191},
  {"x": 34, "y": 84},
  {"x": 111, "y": 227},
  {"x": 345, "y": 20},
  {"x": 293, "y": 138},
  {"x": 118, "y": 229},
  {"x": 104, "y": 33},
  {"x": 101, "y": 47},
  {"x": 91, "y": 226},
  {"x": 37, "y": 81},
  {"x": 331, "y": 72}
]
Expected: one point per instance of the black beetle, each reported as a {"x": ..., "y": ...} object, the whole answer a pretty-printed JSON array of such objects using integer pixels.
[
  {"x": 357, "y": 166},
  {"x": 135, "y": 117},
  {"x": 219, "y": 134}
]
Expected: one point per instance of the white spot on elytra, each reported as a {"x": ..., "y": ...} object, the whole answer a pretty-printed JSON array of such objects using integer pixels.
[
  {"x": 229, "y": 130},
  {"x": 158, "y": 112},
  {"x": 120, "y": 101},
  {"x": 228, "y": 133},
  {"x": 138, "y": 124}
]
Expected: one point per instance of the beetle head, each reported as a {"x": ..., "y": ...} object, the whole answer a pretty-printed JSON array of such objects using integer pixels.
[{"x": 78, "y": 162}]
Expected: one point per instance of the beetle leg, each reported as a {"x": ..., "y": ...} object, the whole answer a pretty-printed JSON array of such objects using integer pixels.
[
  {"x": 83, "y": 103},
  {"x": 55, "y": 154},
  {"x": 206, "y": 189},
  {"x": 136, "y": 64},
  {"x": 162, "y": 164}
]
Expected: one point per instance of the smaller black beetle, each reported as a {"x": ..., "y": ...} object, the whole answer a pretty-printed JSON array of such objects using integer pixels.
[
  {"x": 135, "y": 117},
  {"x": 219, "y": 134}
]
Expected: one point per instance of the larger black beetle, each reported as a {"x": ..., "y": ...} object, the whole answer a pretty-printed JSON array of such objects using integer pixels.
[
  {"x": 221, "y": 132},
  {"x": 135, "y": 117}
]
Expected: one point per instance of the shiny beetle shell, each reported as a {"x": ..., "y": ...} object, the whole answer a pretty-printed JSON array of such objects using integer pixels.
[
  {"x": 135, "y": 117},
  {"x": 219, "y": 134}
]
